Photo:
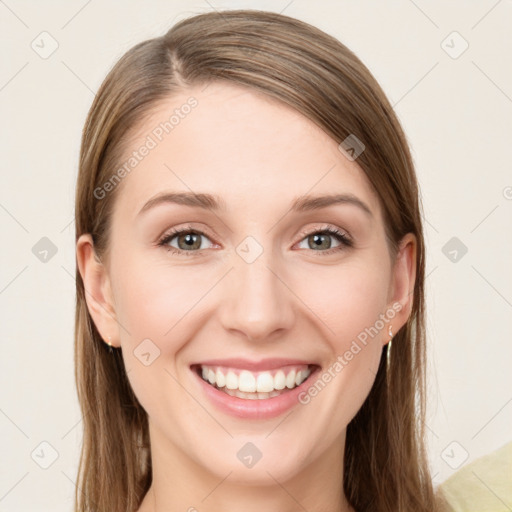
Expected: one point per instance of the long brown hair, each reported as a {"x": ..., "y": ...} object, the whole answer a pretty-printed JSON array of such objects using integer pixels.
[{"x": 386, "y": 465}]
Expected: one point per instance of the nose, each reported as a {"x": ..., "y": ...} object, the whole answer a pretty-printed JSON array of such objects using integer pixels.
[{"x": 257, "y": 304}]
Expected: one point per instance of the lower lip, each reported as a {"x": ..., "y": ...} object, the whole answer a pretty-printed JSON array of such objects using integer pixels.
[{"x": 254, "y": 409}]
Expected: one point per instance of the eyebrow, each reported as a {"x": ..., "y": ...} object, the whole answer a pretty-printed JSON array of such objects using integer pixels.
[{"x": 213, "y": 202}]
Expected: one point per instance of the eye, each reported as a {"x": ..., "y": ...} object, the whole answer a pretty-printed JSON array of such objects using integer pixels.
[
  {"x": 188, "y": 241},
  {"x": 319, "y": 241}
]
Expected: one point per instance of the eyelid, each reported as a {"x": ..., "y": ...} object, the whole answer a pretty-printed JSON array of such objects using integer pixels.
[
  {"x": 325, "y": 227},
  {"x": 171, "y": 233}
]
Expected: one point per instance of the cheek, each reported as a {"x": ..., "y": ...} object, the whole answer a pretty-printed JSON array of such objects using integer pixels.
[
  {"x": 154, "y": 301},
  {"x": 154, "y": 304},
  {"x": 350, "y": 303},
  {"x": 350, "y": 300}
]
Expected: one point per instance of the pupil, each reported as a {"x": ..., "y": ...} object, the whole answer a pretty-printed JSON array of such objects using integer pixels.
[
  {"x": 189, "y": 241},
  {"x": 318, "y": 240}
]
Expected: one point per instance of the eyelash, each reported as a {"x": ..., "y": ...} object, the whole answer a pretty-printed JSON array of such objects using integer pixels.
[{"x": 335, "y": 233}]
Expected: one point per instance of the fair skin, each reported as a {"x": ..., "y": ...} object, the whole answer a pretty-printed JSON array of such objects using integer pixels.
[{"x": 292, "y": 301}]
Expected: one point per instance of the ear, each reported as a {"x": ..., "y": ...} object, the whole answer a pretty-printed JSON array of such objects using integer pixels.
[
  {"x": 403, "y": 281},
  {"x": 98, "y": 291}
]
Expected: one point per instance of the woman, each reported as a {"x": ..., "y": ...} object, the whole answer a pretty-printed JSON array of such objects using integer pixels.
[{"x": 249, "y": 242}]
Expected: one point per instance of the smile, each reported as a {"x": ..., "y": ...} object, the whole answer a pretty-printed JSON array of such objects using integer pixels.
[
  {"x": 254, "y": 385},
  {"x": 254, "y": 390}
]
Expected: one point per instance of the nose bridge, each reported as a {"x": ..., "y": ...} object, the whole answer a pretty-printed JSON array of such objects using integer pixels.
[{"x": 257, "y": 302}]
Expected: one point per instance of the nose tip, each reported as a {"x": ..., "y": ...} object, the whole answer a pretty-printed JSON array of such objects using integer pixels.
[{"x": 258, "y": 303}]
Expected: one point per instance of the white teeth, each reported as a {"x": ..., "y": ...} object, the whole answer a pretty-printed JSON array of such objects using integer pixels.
[
  {"x": 290, "y": 380},
  {"x": 265, "y": 382},
  {"x": 231, "y": 381},
  {"x": 246, "y": 381},
  {"x": 279, "y": 380},
  {"x": 220, "y": 379},
  {"x": 249, "y": 385}
]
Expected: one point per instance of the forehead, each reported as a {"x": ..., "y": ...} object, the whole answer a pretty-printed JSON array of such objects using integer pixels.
[{"x": 238, "y": 144}]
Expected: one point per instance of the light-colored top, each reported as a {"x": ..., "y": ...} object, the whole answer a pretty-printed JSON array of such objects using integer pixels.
[{"x": 484, "y": 485}]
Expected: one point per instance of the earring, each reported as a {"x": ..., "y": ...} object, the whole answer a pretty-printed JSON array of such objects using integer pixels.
[
  {"x": 388, "y": 352},
  {"x": 109, "y": 343}
]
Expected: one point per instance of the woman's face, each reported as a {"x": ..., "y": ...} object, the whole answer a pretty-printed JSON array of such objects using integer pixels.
[{"x": 255, "y": 293}]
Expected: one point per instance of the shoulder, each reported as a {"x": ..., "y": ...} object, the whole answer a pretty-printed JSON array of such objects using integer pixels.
[{"x": 483, "y": 485}]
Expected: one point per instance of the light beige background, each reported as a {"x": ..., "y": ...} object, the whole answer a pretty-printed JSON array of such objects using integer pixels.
[{"x": 457, "y": 113}]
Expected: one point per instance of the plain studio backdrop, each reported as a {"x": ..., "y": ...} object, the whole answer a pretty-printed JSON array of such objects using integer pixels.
[{"x": 445, "y": 67}]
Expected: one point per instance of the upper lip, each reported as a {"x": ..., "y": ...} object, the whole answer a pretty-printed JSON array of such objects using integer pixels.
[{"x": 247, "y": 364}]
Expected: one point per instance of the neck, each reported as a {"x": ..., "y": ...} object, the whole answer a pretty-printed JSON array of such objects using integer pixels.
[{"x": 179, "y": 483}]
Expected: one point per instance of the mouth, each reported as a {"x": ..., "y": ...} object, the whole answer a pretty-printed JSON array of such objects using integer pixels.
[
  {"x": 250, "y": 385},
  {"x": 254, "y": 394}
]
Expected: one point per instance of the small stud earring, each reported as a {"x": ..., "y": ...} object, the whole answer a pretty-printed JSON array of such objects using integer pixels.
[{"x": 109, "y": 343}]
